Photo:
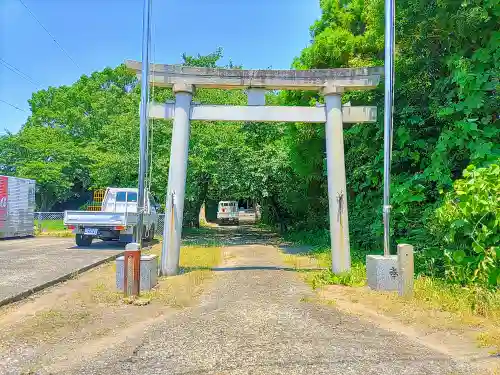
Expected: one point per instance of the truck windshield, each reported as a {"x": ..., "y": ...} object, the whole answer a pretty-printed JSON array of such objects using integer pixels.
[{"x": 122, "y": 196}]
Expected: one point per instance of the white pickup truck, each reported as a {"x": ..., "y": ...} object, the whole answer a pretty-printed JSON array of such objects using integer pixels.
[{"x": 117, "y": 219}]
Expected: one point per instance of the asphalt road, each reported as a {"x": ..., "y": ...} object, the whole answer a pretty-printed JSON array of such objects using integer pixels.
[
  {"x": 260, "y": 319},
  {"x": 30, "y": 264}
]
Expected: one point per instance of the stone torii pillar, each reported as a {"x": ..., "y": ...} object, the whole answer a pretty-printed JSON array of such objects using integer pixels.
[
  {"x": 330, "y": 82},
  {"x": 337, "y": 197},
  {"x": 177, "y": 173}
]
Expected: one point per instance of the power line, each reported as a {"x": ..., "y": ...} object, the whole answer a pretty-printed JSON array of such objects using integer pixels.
[
  {"x": 18, "y": 72},
  {"x": 13, "y": 106},
  {"x": 48, "y": 32}
]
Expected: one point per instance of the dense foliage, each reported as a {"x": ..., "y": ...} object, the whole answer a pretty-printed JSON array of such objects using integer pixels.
[
  {"x": 446, "y": 117},
  {"x": 468, "y": 222},
  {"x": 85, "y": 136}
]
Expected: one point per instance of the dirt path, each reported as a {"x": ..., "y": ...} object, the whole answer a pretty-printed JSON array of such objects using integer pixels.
[{"x": 256, "y": 319}]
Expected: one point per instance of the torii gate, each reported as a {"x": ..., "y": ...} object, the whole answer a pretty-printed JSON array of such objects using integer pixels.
[{"x": 330, "y": 82}]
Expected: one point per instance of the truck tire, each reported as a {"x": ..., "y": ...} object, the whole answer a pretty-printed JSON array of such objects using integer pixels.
[{"x": 83, "y": 240}]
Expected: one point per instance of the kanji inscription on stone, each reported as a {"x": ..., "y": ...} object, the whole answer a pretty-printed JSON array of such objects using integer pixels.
[{"x": 393, "y": 272}]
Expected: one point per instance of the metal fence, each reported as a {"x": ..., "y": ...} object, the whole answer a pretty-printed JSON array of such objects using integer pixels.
[
  {"x": 49, "y": 216},
  {"x": 53, "y": 221},
  {"x": 161, "y": 224}
]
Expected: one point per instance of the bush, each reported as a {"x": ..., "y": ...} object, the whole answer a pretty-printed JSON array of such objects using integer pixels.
[{"x": 468, "y": 222}]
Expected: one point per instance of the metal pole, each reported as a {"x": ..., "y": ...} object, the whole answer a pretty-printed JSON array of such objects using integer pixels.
[
  {"x": 388, "y": 113},
  {"x": 143, "y": 147}
]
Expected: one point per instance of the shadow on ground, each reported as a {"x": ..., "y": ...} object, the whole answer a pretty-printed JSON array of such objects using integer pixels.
[
  {"x": 230, "y": 236},
  {"x": 250, "y": 268},
  {"x": 295, "y": 250},
  {"x": 109, "y": 245}
]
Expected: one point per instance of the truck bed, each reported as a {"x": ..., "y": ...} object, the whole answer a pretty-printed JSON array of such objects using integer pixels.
[{"x": 99, "y": 218}]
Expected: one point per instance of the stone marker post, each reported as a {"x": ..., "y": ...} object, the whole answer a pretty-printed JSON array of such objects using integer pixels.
[{"x": 406, "y": 270}]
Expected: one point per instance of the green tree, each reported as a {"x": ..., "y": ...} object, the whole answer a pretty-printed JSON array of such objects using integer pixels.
[{"x": 50, "y": 157}]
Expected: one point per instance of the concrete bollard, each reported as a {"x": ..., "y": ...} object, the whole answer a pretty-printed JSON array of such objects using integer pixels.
[{"x": 406, "y": 270}]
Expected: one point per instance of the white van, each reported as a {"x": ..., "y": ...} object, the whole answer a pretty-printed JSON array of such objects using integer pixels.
[{"x": 228, "y": 212}]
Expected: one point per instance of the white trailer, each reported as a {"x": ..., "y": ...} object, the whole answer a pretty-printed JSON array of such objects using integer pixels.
[
  {"x": 117, "y": 219},
  {"x": 17, "y": 207}
]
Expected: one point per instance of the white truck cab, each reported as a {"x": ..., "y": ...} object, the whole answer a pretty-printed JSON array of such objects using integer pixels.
[
  {"x": 117, "y": 219},
  {"x": 227, "y": 212}
]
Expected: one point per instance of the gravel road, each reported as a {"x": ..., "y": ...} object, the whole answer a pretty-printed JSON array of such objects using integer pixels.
[{"x": 256, "y": 319}]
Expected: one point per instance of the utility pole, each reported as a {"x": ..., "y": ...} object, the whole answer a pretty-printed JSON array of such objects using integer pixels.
[
  {"x": 143, "y": 142},
  {"x": 390, "y": 13}
]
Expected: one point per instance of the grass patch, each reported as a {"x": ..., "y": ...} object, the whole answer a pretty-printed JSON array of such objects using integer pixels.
[
  {"x": 201, "y": 231},
  {"x": 355, "y": 277},
  {"x": 104, "y": 292},
  {"x": 320, "y": 257},
  {"x": 51, "y": 228},
  {"x": 46, "y": 323},
  {"x": 490, "y": 339},
  {"x": 432, "y": 293},
  {"x": 173, "y": 291},
  {"x": 435, "y": 301},
  {"x": 181, "y": 290},
  {"x": 50, "y": 225},
  {"x": 65, "y": 233},
  {"x": 472, "y": 301}
]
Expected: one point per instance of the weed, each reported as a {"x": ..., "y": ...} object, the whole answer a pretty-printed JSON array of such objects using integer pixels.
[
  {"x": 490, "y": 339},
  {"x": 355, "y": 277},
  {"x": 44, "y": 323}
]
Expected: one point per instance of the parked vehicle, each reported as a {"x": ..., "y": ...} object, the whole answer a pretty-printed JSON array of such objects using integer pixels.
[
  {"x": 228, "y": 212},
  {"x": 117, "y": 219},
  {"x": 17, "y": 207}
]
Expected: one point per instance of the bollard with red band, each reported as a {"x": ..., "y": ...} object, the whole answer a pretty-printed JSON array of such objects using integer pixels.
[{"x": 132, "y": 270}]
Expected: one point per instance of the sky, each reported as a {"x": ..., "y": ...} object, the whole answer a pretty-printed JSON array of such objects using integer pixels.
[{"x": 94, "y": 34}]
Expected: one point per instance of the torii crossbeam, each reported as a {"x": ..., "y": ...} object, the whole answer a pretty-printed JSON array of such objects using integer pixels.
[{"x": 330, "y": 82}]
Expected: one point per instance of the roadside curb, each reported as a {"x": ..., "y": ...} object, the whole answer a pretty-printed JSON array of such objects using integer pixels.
[{"x": 60, "y": 279}]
